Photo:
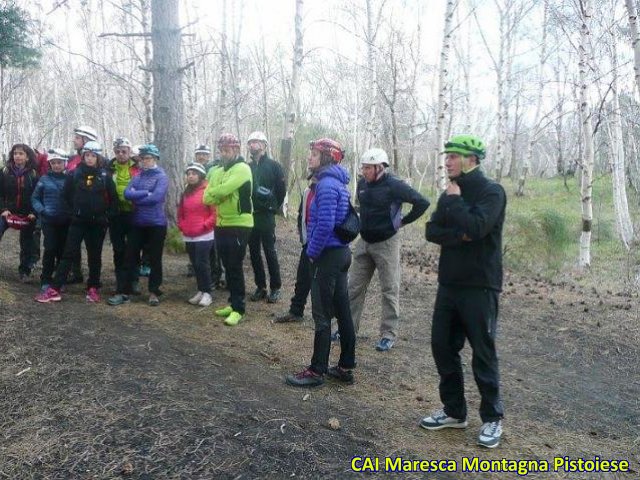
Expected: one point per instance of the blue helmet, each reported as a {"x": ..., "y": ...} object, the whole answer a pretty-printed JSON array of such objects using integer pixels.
[{"x": 149, "y": 149}]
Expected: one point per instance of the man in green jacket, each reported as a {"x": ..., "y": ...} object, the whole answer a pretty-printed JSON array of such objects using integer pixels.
[{"x": 229, "y": 189}]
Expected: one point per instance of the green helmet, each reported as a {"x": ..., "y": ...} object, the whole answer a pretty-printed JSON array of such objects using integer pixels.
[{"x": 466, "y": 145}]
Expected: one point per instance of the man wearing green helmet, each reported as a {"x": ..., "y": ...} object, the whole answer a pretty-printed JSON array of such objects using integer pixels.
[{"x": 467, "y": 224}]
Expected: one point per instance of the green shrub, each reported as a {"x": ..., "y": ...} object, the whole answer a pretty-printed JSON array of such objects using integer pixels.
[{"x": 174, "y": 242}]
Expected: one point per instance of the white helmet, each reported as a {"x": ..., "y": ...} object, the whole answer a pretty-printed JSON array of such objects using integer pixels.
[
  {"x": 121, "y": 142},
  {"x": 57, "y": 154},
  {"x": 374, "y": 156},
  {"x": 197, "y": 167},
  {"x": 202, "y": 149},
  {"x": 87, "y": 132},
  {"x": 94, "y": 147},
  {"x": 257, "y": 135}
]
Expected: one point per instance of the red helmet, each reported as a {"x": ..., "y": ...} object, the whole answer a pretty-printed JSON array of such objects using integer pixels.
[
  {"x": 228, "y": 140},
  {"x": 326, "y": 145},
  {"x": 17, "y": 222}
]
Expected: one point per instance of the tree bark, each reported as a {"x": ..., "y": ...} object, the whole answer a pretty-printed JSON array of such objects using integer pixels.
[
  {"x": 443, "y": 87},
  {"x": 168, "y": 110},
  {"x": 586, "y": 187},
  {"x": 621, "y": 206},
  {"x": 288, "y": 130}
]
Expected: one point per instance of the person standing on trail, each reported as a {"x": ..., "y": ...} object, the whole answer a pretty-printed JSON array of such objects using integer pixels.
[
  {"x": 81, "y": 135},
  {"x": 91, "y": 195},
  {"x": 53, "y": 213},
  {"x": 147, "y": 191},
  {"x": 330, "y": 259},
  {"x": 380, "y": 196},
  {"x": 229, "y": 189},
  {"x": 18, "y": 179},
  {"x": 122, "y": 169},
  {"x": 196, "y": 221},
  {"x": 203, "y": 157},
  {"x": 467, "y": 224},
  {"x": 268, "y": 194},
  {"x": 303, "y": 272}
]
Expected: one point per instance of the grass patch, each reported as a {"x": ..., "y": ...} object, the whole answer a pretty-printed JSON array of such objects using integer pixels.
[{"x": 174, "y": 242}]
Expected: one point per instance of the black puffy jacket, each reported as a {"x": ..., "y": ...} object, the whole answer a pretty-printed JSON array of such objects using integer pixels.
[
  {"x": 91, "y": 194},
  {"x": 381, "y": 207}
]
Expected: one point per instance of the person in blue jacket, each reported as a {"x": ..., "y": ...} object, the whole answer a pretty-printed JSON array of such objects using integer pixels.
[
  {"x": 330, "y": 260},
  {"x": 148, "y": 192},
  {"x": 54, "y": 214}
]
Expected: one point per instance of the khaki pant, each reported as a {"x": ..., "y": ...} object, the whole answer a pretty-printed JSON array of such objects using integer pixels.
[{"x": 367, "y": 257}]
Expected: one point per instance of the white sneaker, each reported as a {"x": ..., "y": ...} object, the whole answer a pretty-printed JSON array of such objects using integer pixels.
[
  {"x": 490, "y": 434},
  {"x": 196, "y": 298},
  {"x": 439, "y": 420},
  {"x": 206, "y": 300}
]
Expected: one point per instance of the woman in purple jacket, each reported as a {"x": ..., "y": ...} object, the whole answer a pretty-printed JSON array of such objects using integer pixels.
[
  {"x": 147, "y": 191},
  {"x": 330, "y": 260}
]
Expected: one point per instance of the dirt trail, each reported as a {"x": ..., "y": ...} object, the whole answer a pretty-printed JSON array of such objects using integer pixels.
[{"x": 170, "y": 392}]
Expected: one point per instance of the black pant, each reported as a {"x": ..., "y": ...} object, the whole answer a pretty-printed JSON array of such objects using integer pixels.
[
  {"x": 265, "y": 235},
  {"x": 55, "y": 238},
  {"x": 93, "y": 236},
  {"x": 303, "y": 284},
  {"x": 37, "y": 237},
  {"x": 120, "y": 233},
  {"x": 232, "y": 245},
  {"x": 472, "y": 313},
  {"x": 215, "y": 265},
  {"x": 152, "y": 239},
  {"x": 26, "y": 245},
  {"x": 330, "y": 298},
  {"x": 199, "y": 256}
]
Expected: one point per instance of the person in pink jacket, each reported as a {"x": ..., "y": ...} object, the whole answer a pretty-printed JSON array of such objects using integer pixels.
[{"x": 196, "y": 221}]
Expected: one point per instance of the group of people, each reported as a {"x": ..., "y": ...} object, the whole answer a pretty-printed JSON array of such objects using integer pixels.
[{"x": 229, "y": 204}]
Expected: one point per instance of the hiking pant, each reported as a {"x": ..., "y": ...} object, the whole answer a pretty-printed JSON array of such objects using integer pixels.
[
  {"x": 93, "y": 236},
  {"x": 37, "y": 238},
  {"x": 55, "y": 238},
  {"x": 330, "y": 298},
  {"x": 152, "y": 240},
  {"x": 471, "y": 313},
  {"x": 385, "y": 257},
  {"x": 26, "y": 245},
  {"x": 120, "y": 233},
  {"x": 215, "y": 265},
  {"x": 199, "y": 256},
  {"x": 303, "y": 284},
  {"x": 232, "y": 244},
  {"x": 265, "y": 236}
]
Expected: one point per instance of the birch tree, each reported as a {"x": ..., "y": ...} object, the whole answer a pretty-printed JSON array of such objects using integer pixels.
[
  {"x": 443, "y": 87},
  {"x": 635, "y": 38},
  {"x": 535, "y": 131},
  {"x": 586, "y": 187},
  {"x": 288, "y": 130},
  {"x": 618, "y": 177}
]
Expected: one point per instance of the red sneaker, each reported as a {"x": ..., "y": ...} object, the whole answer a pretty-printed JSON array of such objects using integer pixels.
[
  {"x": 49, "y": 295},
  {"x": 93, "y": 296}
]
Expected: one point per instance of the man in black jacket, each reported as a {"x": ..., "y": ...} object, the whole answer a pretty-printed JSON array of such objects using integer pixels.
[
  {"x": 467, "y": 224},
  {"x": 381, "y": 196},
  {"x": 268, "y": 194}
]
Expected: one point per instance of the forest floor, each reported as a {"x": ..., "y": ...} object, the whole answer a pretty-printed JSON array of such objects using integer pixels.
[{"x": 92, "y": 391}]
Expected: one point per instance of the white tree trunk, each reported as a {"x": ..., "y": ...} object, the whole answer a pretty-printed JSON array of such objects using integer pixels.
[
  {"x": 443, "y": 86},
  {"x": 635, "y": 42},
  {"x": 535, "y": 132},
  {"x": 584, "y": 260},
  {"x": 288, "y": 130},
  {"x": 372, "y": 87},
  {"x": 623, "y": 219}
]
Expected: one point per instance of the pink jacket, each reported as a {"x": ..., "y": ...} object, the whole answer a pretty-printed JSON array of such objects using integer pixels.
[{"x": 194, "y": 217}]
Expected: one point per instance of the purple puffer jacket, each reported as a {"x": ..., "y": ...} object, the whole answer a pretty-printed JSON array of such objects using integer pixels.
[
  {"x": 329, "y": 208},
  {"x": 148, "y": 192}
]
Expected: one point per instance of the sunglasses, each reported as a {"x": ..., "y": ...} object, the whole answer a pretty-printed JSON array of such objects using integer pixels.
[{"x": 121, "y": 151}]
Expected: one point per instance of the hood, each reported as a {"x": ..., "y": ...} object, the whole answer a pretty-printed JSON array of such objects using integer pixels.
[{"x": 335, "y": 171}]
